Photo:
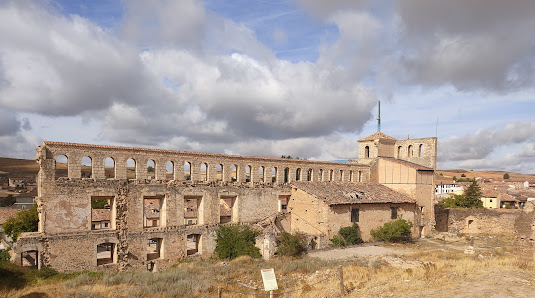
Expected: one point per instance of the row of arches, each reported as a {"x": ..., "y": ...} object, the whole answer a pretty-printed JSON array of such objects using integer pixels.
[
  {"x": 412, "y": 151},
  {"x": 203, "y": 171}
]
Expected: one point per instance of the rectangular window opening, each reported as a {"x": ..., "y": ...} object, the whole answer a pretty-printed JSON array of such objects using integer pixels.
[
  {"x": 192, "y": 210},
  {"x": 103, "y": 213},
  {"x": 354, "y": 214},
  {"x": 154, "y": 249},
  {"x": 106, "y": 254},
  {"x": 393, "y": 212},
  {"x": 193, "y": 244},
  {"x": 153, "y": 212},
  {"x": 283, "y": 204},
  {"x": 227, "y": 210}
]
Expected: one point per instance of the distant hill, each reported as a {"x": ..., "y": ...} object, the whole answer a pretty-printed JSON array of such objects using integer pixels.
[
  {"x": 19, "y": 167},
  {"x": 485, "y": 174}
]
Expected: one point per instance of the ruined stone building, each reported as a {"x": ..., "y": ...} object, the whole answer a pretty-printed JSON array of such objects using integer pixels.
[{"x": 121, "y": 207}]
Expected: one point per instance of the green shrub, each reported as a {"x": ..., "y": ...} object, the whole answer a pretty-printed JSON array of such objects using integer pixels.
[
  {"x": 24, "y": 221},
  {"x": 398, "y": 230},
  {"x": 4, "y": 255},
  {"x": 347, "y": 236},
  {"x": 234, "y": 241},
  {"x": 292, "y": 245}
]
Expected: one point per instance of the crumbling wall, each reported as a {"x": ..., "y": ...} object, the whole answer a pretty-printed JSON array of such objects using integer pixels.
[{"x": 476, "y": 221}]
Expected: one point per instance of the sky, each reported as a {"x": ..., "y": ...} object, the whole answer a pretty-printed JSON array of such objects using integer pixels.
[{"x": 272, "y": 77}]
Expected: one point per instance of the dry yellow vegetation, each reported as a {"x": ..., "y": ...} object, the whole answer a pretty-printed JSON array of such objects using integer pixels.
[{"x": 427, "y": 270}]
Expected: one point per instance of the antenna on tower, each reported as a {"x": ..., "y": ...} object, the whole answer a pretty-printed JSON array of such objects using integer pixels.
[{"x": 379, "y": 118}]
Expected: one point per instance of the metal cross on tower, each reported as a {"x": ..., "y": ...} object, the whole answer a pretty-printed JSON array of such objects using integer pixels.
[{"x": 379, "y": 118}]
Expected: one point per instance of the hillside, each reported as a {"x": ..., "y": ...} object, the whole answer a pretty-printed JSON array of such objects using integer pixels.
[
  {"x": 19, "y": 167},
  {"x": 498, "y": 175}
]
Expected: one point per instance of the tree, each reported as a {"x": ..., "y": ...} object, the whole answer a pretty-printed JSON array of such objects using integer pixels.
[
  {"x": 25, "y": 221},
  {"x": 8, "y": 201},
  {"x": 473, "y": 196},
  {"x": 463, "y": 175},
  {"x": 470, "y": 199},
  {"x": 234, "y": 241},
  {"x": 505, "y": 176},
  {"x": 100, "y": 204}
]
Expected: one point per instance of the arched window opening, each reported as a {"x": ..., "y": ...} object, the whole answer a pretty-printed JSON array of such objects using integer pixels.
[
  {"x": 106, "y": 253},
  {"x": 261, "y": 173},
  {"x": 154, "y": 249},
  {"x": 204, "y": 171},
  {"x": 409, "y": 151},
  {"x": 131, "y": 169},
  {"x": 273, "y": 175},
  {"x": 309, "y": 175},
  {"x": 298, "y": 174},
  {"x": 87, "y": 167},
  {"x": 187, "y": 170},
  {"x": 331, "y": 175},
  {"x": 169, "y": 170},
  {"x": 109, "y": 167},
  {"x": 470, "y": 223},
  {"x": 286, "y": 175},
  {"x": 351, "y": 176},
  {"x": 341, "y": 175},
  {"x": 62, "y": 168},
  {"x": 321, "y": 175},
  {"x": 151, "y": 169},
  {"x": 399, "y": 152},
  {"x": 360, "y": 176},
  {"x": 234, "y": 173},
  {"x": 219, "y": 174},
  {"x": 367, "y": 152},
  {"x": 248, "y": 173},
  {"x": 421, "y": 150}
]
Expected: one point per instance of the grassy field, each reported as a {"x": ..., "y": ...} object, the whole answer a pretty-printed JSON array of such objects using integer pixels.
[{"x": 427, "y": 270}]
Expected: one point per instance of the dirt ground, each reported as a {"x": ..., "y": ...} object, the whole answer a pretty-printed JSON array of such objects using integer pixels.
[{"x": 355, "y": 251}]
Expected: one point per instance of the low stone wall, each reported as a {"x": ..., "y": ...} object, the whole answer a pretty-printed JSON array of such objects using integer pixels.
[{"x": 476, "y": 221}]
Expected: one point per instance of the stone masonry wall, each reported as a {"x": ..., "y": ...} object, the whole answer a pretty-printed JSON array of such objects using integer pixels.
[
  {"x": 66, "y": 242},
  {"x": 476, "y": 221}
]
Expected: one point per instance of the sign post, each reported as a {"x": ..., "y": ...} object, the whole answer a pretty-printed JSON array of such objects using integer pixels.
[{"x": 270, "y": 281}]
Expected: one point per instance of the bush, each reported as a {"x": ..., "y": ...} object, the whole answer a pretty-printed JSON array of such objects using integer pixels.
[
  {"x": 4, "y": 255},
  {"x": 292, "y": 245},
  {"x": 347, "y": 236},
  {"x": 235, "y": 241},
  {"x": 398, "y": 230}
]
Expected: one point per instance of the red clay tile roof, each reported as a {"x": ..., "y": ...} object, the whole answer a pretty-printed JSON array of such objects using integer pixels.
[
  {"x": 407, "y": 163},
  {"x": 100, "y": 214},
  {"x": 375, "y": 136},
  {"x": 334, "y": 193},
  {"x": 6, "y": 213}
]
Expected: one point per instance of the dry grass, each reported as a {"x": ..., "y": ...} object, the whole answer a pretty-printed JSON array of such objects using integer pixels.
[{"x": 441, "y": 273}]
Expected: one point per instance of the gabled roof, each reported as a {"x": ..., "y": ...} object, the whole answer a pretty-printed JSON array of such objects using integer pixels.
[
  {"x": 335, "y": 193},
  {"x": 375, "y": 136}
]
